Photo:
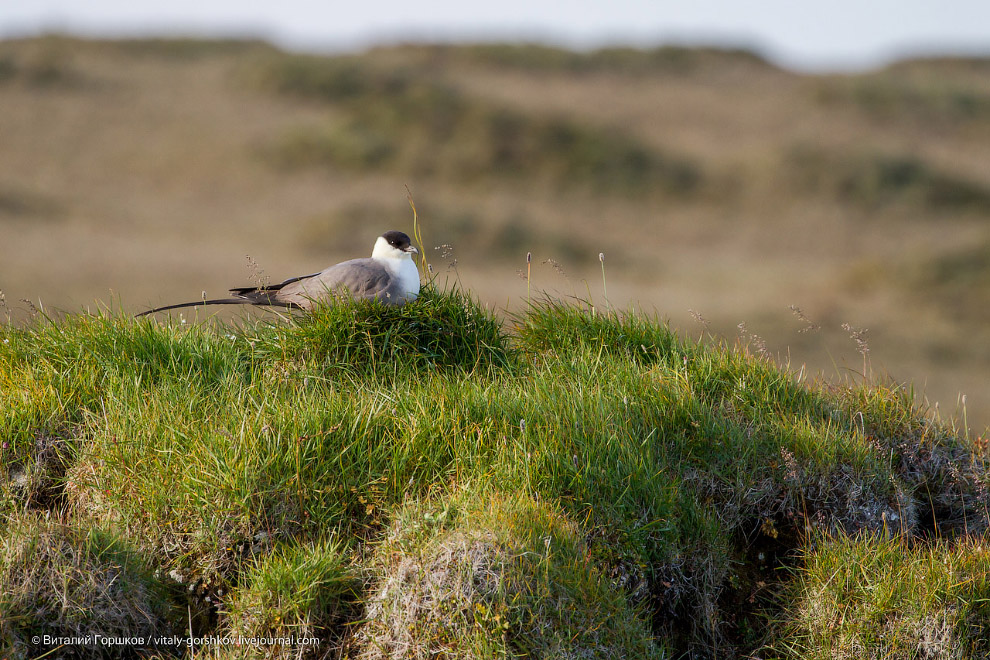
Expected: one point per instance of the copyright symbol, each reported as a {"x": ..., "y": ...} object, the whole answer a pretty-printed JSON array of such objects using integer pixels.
[{"x": 36, "y": 640}]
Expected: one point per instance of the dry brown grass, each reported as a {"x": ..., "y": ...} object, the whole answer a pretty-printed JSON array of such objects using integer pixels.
[{"x": 64, "y": 581}]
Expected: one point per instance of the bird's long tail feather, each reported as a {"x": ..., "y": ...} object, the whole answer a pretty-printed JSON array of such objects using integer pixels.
[{"x": 219, "y": 301}]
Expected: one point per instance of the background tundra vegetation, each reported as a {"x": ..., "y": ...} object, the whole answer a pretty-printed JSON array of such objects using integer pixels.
[
  {"x": 143, "y": 171},
  {"x": 562, "y": 482}
]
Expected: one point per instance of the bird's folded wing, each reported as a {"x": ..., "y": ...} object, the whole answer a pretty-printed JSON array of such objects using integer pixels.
[{"x": 359, "y": 278}]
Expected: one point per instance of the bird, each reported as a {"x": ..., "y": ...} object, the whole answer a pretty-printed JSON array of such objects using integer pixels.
[{"x": 389, "y": 275}]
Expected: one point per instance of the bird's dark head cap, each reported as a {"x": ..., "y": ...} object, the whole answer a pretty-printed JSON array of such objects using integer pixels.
[{"x": 399, "y": 240}]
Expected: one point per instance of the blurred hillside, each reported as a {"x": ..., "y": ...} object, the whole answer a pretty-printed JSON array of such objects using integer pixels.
[{"x": 720, "y": 189}]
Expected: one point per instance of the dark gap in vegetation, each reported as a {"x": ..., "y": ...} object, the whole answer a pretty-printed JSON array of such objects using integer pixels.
[
  {"x": 36, "y": 476},
  {"x": 751, "y": 598},
  {"x": 930, "y": 519}
]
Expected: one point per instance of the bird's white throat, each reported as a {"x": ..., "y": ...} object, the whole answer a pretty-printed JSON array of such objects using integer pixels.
[{"x": 384, "y": 250}]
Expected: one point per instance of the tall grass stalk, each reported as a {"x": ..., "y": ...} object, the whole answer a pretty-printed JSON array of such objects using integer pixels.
[
  {"x": 601, "y": 259},
  {"x": 529, "y": 277},
  {"x": 418, "y": 237}
]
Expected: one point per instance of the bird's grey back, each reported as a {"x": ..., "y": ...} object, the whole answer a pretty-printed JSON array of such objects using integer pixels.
[{"x": 358, "y": 278}]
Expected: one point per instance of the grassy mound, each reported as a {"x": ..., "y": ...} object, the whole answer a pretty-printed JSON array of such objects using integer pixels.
[{"x": 371, "y": 481}]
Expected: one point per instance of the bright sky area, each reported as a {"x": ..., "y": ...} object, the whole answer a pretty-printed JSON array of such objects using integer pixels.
[{"x": 835, "y": 35}]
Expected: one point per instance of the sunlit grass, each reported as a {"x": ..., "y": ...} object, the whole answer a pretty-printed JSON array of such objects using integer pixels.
[{"x": 281, "y": 473}]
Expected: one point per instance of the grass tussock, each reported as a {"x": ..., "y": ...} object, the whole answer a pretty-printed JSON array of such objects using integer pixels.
[
  {"x": 440, "y": 331},
  {"x": 300, "y": 593},
  {"x": 64, "y": 580},
  {"x": 869, "y": 598},
  {"x": 473, "y": 479},
  {"x": 502, "y": 578}
]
